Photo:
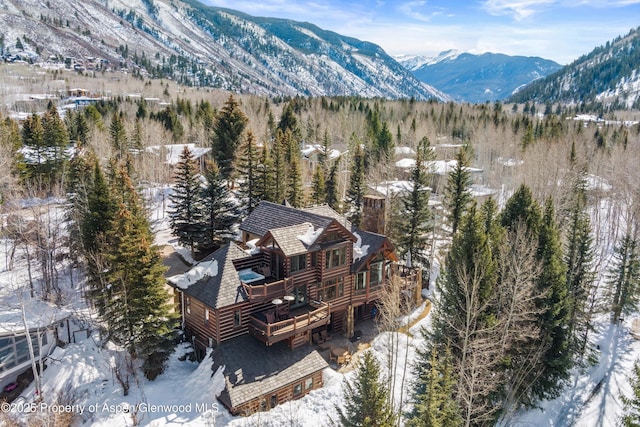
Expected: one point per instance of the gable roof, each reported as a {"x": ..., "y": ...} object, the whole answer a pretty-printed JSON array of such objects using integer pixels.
[
  {"x": 293, "y": 240},
  {"x": 367, "y": 246},
  {"x": 268, "y": 216},
  {"x": 220, "y": 288},
  {"x": 252, "y": 370}
]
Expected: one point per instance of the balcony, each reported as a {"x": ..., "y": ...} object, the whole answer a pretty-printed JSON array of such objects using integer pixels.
[
  {"x": 270, "y": 330},
  {"x": 260, "y": 288}
]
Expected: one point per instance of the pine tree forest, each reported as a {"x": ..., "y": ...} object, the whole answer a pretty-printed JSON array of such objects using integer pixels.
[{"x": 531, "y": 221}]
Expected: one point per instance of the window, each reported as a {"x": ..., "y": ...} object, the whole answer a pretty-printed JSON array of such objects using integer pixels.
[
  {"x": 206, "y": 316},
  {"x": 332, "y": 288},
  {"x": 297, "y": 389},
  {"x": 314, "y": 259},
  {"x": 332, "y": 236},
  {"x": 360, "y": 285},
  {"x": 335, "y": 257},
  {"x": 308, "y": 384},
  {"x": 298, "y": 262},
  {"x": 237, "y": 318},
  {"x": 274, "y": 400},
  {"x": 263, "y": 404},
  {"x": 188, "y": 304},
  {"x": 15, "y": 350},
  {"x": 375, "y": 277}
]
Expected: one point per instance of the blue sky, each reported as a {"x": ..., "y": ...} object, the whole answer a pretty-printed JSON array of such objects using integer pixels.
[{"x": 561, "y": 30}]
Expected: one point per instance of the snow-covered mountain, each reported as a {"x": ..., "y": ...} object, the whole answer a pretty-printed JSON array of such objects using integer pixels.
[
  {"x": 477, "y": 78},
  {"x": 200, "y": 45},
  {"x": 606, "y": 78}
]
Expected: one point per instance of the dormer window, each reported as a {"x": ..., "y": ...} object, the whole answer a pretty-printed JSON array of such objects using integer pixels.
[{"x": 332, "y": 236}]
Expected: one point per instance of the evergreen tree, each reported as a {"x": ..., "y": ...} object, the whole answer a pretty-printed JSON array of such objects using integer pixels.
[
  {"x": 118, "y": 134},
  {"x": 100, "y": 211},
  {"x": 135, "y": 303},
  {"x": 434, "y": 403},
  {"x": 319, "y": 188},
  {"x": 295, "y": 193},
  {"x": 55, "y": 139},
  {"x": 187, "y": 216},
  {"x": 457, "y": 191},
  {"x": 247, "y": 169},
  {"x": 624, "y": 277},
  {"x": 219, "y": 211},
  {"x": 554, "y": 317},
  {"x": 522, "y": 209},
  {"x": 279, "y": 168},
  {"x": 464, "y": 316},
  {"x": 33, "y": 138},
  {"x": 331, "y": 194},
  {"x": 136, "y": 142},
  {"x": 264, "y": 176},
  {"x": 326, "y": 153},
  {"x": 367, "y": 399},
  {"x": 289, "y": 121},
  {"x": 357, "y": 185},
  {"x": 383, "y": 144},
  {"x": 227, "y": 134},
  {"x": 578, "y": 258},
  {"x": 631, "y": 414},
  {"x": 417, "y": 218}
]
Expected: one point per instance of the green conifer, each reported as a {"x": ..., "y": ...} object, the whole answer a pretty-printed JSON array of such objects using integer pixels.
[
  {"x": 220, "y": 212},
  {"x": 187, "y": 215},
  {"x": 366, "y": 399},
  {"x": 229, "y": 126},
  {"x": 458, "y": 189}
]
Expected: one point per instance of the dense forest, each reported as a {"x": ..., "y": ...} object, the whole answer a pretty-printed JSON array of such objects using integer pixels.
[{"x": 534, "y": 224}]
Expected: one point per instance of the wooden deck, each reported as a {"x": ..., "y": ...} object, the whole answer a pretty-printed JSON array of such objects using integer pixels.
[{"x": 299, "y": 321}]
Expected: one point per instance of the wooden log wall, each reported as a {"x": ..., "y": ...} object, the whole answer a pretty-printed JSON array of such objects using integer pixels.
[{"x": 283, "y": 394}]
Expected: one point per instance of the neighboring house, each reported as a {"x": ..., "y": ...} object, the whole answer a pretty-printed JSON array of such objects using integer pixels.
[
  {"x": 45, "y": 326},
  {"x": 439, "y": 170},
  {"x": 314, "y": 155},
  {"x": 296, "y": 273},
  {"x": 172, "y": 153}
]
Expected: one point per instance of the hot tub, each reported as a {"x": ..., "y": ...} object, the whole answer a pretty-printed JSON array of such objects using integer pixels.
[{"x": 248, "y": 276}]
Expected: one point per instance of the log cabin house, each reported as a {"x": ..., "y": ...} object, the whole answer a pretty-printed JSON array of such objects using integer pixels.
[{"x": 295, "y": 274}]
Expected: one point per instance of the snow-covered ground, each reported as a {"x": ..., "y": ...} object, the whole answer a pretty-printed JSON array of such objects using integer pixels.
[{"x": 185, "y": 393}]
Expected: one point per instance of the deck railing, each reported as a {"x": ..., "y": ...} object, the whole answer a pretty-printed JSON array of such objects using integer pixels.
[
  {"x": 276, "y": 331},
  {"x": 265, "y": 291}
]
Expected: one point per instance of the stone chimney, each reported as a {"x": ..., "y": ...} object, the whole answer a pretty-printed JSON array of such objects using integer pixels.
[{"x": 373, "y": 213}]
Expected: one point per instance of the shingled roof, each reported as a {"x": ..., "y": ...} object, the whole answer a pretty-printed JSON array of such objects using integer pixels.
[
  {"x": 222, "y": 289},
  {"x": 372, "y": 242},
  {"x": 268, "y": 216},
  {"x": 295, "y": 239},
  {"x": 252, "y": 370}
]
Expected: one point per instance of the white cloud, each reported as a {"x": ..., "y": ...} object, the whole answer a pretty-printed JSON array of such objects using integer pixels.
[
  {"x": 410, "y": 9},
  {"x": 518, "y": 9}
]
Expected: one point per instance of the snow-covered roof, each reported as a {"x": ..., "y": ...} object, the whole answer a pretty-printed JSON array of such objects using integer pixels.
[
  {"x": 197, "y": 273},
  {"x": 359, "y": 250},
  {"x": 438, "y": 167},
  {"x": 317, "y": 148},
  {"x": 407, "y": 151},
  {"x": 394, "y": 187},
  {"x": 175, "y": 150},
  {"x": 39, "y": 314}
]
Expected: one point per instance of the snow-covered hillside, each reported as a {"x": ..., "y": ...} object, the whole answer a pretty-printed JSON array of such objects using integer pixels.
[{"x": 202, "y": 46}]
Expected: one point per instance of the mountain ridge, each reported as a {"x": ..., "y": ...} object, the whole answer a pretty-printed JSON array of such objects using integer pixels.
[
  {"x": 196, "y": 44},
  {"x": 477, "y": 78},
  {"x": 606, "y": 78}
]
